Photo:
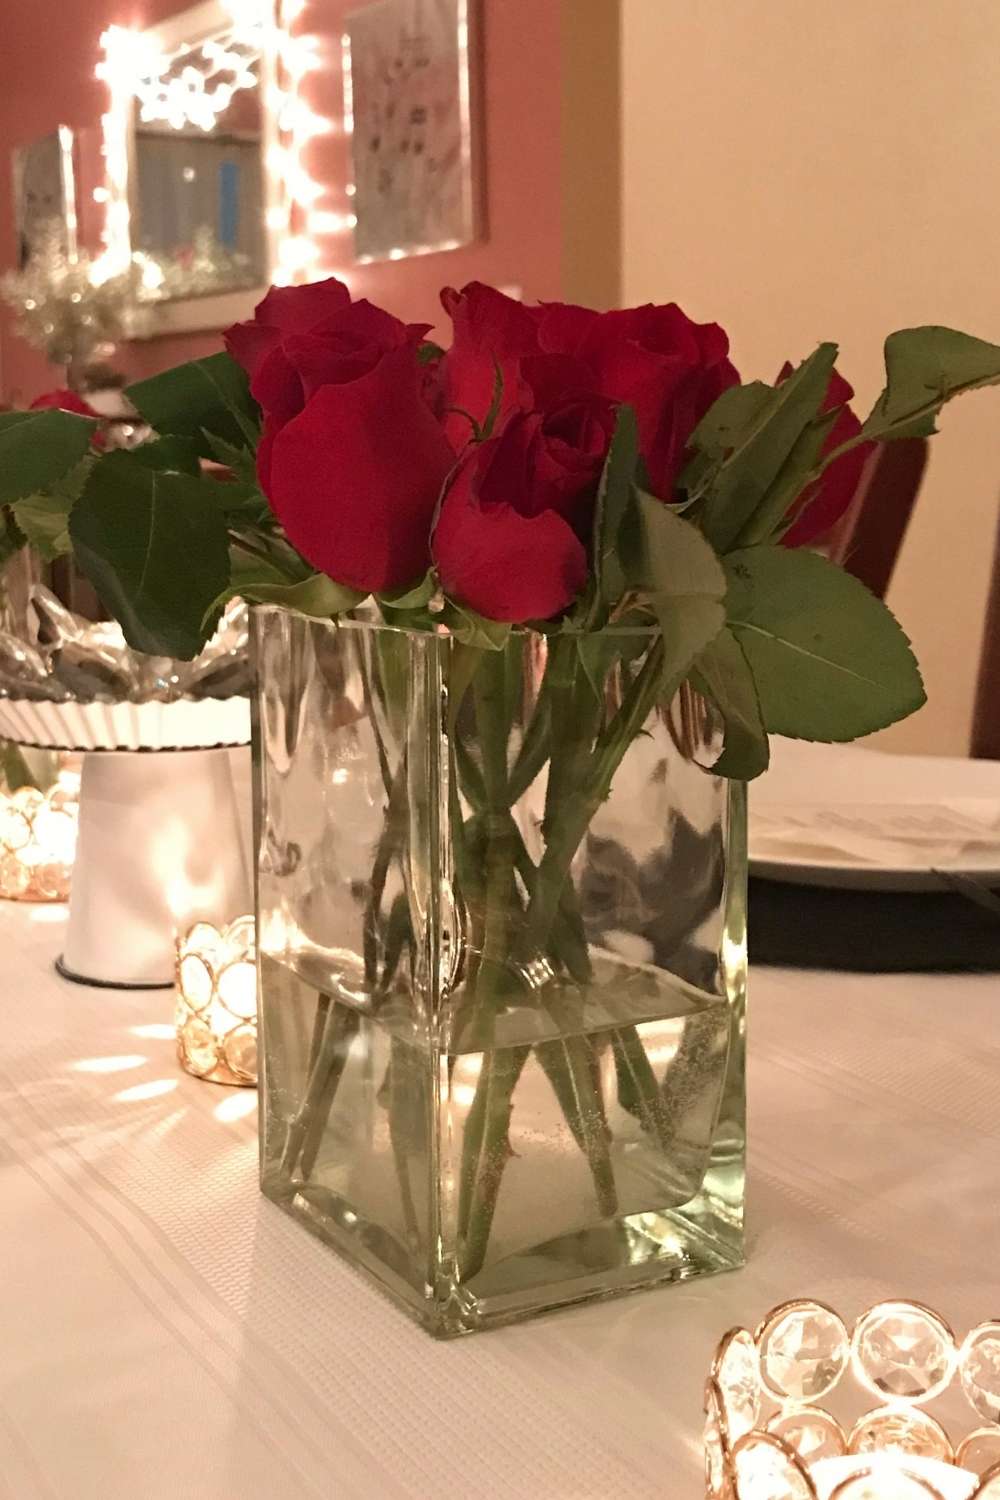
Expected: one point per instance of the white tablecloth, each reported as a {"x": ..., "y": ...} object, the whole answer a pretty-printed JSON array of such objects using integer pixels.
[{"x": 166, "y": 1334}]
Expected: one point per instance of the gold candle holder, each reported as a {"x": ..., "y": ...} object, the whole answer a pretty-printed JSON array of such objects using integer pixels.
[
  {"x": 217, "y": 1002},
  {"x": 779, "y": 1423},
  {"x": 38, "y": 840}
]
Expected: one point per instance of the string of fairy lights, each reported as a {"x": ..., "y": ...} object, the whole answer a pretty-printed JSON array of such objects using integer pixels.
[{"x": 193, "y": 85}]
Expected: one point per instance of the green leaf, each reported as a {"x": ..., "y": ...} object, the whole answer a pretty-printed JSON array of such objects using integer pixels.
[
  {"x": 718, "y": 433},
  {"x": 179, "y": 455},
  {"x": 37, "y": 448},
  {"x": 463, "y": 665},
  {"x": 317, "y": 596},
  {"x": 472, "y": 629},
  {"x": 428, "y": 352},
  {"x": 925, "y": 367},
  {"x": 794, "y": 475},
  {"x": 740, "y": 482},
  {"x": 730, "y": 416},
  {"x": 174, "y": 455},
  {"x": 828, "y": 659},
  {"x": 234, "y": 498},
  {"x": 614, "y": 495},
  {"x": 202, "y": 399},
  {"x": 416, "y": 597},
  {"x": 242, "y": 462},
  {"x": 683, "y": 580},
  {"x": 259, "y": 582},
  {"x": 598, "y": 651},
  {"x": 247, "y": 569},
  {"x": 44, "y": 518},
  {"x": 722, "y": 673},
  {"x": 154, "y": 551}
]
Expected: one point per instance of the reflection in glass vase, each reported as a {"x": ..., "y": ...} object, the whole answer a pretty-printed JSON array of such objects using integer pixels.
[{"x": 501, "y": 926}]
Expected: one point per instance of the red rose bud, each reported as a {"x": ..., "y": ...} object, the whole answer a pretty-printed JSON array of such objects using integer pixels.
[
  {"x": 821, "y": 504},
  {"x": 284, "y": 310},
  {"x": 355, "y": 476},
  {"x": 491, "y": 331},
  {"x": 509, "y": 540}
]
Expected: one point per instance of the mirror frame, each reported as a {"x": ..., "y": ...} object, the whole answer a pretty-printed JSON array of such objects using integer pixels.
[{"x": 219, "y": 310}]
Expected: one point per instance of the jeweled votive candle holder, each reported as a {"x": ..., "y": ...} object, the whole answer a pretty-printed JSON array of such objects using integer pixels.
[
  {"x": 216, "y": 1012},
  {"x": 788, "y": 1413},
  {"x": 38, "y": 840}
]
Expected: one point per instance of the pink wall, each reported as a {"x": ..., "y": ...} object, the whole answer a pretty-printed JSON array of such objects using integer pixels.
[
  {"x": 50, "y": 49},
  {"x": 520, "y": 49}
]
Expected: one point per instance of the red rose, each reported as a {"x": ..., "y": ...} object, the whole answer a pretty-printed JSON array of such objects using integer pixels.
[
  {"x": 355, "y": 476},
  {"x": 491, "y": 331},
  {"x": 667, "y": 367},
  {"x": 821, "y": 505},
  {"x": 510, "y": 540},
  {"x": 323, "y": 339},
  {"x": 656, "y": 359},
  {"x": 351, "y": 457}
]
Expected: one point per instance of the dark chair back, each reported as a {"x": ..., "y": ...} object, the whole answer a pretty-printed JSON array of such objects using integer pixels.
[
  {"x": 986, "y": 715},
  {"x": 868, "y": 539}
]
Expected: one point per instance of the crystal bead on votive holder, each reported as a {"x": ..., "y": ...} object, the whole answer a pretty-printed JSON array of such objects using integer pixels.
[
  {"x": 38, "y": 840},
  {"x": 216, "y": 1012},
  {"x": 782, "y": 1421}
]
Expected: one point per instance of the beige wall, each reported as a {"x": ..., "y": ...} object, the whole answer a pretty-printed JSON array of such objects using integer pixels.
[{"x": 801, "y": 171}]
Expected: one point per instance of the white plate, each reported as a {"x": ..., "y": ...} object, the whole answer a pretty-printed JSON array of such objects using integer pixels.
[{"x": 806, "y": 777}]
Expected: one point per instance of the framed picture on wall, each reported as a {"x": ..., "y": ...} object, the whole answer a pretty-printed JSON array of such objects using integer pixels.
[
  {"x": 411, "y": 86},
  {"x": 44, "y": 207}
]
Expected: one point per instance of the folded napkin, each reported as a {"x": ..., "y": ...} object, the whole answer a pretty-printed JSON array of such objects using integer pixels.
[{"x": 906, "y": 835}]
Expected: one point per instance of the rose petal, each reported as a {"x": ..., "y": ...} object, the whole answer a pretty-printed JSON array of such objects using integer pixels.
[
  {"x": 564, "y": 327},
  {"x": 355, "y": 478},
  {"x": 297, "y": 309},
  {"x": 491, "y": 330},
  {"x": 250, "y": 344},
  {"x": 505, "y": 565}
]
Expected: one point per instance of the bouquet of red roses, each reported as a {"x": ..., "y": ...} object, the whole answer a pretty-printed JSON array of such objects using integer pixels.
[
  {"x": 554, "y": 466},
  {"x": 590, "y": 501}
]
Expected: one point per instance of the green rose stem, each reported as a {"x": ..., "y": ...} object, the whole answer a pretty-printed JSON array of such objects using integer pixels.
[
  {"x": 567, "y": 1061},
  {"x": 563, "y": 839},
  {"x": 334, "y": 1030},
  {"x": 487, "y": 1142},
  {"x": 390, "y": 840},
  {"x": 333, "y": 1034},
  {"x": 491, "y": 720},
  {"x": 342, "y": 1027},
  {"x": 485, "y": 1150}
]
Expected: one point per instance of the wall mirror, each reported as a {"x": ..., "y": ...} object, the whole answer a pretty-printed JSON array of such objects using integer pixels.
[{"x": 186, "y": 142}]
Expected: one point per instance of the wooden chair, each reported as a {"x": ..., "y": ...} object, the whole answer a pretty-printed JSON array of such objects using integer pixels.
[
  {"x": 867, "y": 541},
  {"x": 986, "y": 715}
]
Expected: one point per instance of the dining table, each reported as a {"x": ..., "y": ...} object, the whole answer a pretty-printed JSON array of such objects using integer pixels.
[{"x": 166, "y": 1333}]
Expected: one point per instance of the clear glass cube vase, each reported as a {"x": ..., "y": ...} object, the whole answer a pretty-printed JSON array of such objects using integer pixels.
[{"x": 501, "y": 928}]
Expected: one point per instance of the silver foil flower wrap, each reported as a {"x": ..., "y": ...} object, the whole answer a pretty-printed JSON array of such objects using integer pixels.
[{"x": 67, "y": 657}]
